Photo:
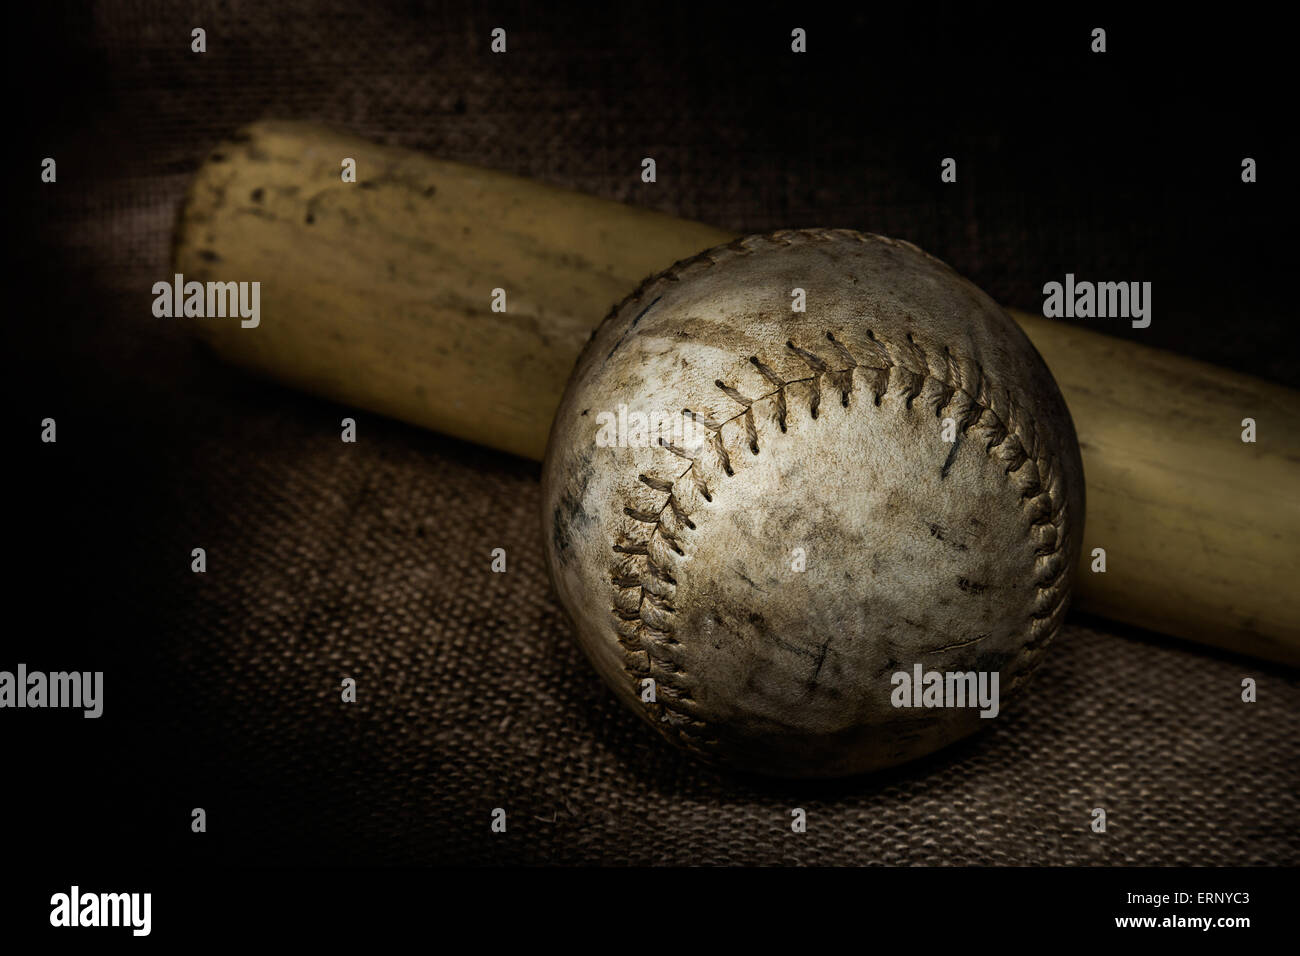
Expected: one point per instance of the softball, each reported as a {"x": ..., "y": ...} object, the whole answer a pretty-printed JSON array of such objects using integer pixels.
[{"x": 813, "y": 504}]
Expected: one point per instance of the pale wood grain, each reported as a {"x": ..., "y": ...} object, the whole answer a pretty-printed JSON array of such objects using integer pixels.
[{"x": 377, "y": 294}]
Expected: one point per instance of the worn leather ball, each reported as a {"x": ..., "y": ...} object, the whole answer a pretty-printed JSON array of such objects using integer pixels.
[{"x": 793, "y": 468}]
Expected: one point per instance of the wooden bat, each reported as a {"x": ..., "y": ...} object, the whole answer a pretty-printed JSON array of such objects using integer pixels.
[{"x": 378, "y": 293}]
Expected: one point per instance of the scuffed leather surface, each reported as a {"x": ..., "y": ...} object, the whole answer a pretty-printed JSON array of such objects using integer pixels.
[{"x": 958, "y": 562}]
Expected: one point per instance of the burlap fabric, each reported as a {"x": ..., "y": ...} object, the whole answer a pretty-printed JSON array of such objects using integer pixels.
[{"x": 373, "y": 560}]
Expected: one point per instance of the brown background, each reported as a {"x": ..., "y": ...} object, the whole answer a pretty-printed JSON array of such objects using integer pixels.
[{"x": 372, "y": 560}]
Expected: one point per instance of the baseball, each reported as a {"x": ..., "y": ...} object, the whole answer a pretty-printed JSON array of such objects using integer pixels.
[{"x": 813, "y": 503}]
